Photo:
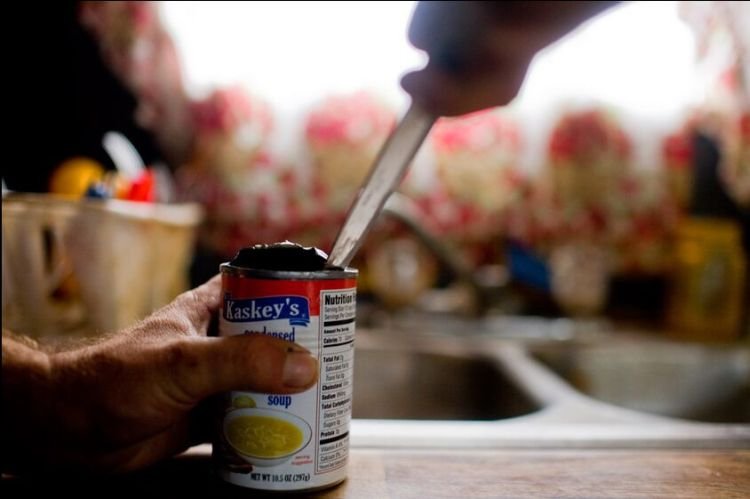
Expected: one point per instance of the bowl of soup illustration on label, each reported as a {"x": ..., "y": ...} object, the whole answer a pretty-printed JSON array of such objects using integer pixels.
[{"x": 265, "y": 437}]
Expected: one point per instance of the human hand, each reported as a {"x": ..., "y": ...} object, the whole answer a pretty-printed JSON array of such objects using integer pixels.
[
  {"x": 479, "y": 52},
  {"x": 128, "y": 401}
]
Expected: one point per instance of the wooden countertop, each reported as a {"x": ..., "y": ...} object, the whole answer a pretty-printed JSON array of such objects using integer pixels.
[
  {"x": 547, "y": 473},
  {"x": 462, "y": 473}
]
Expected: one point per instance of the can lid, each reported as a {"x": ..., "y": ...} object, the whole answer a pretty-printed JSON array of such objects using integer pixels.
[{"x": 283, "y": 256}]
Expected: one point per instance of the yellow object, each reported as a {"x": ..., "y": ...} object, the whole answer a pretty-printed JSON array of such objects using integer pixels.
[
  {"x": 263, "y": 436},
  {"x": 74, "y": 176},
  {"x": 708, "y": 287},
  {"x": 243, "y": 402}
]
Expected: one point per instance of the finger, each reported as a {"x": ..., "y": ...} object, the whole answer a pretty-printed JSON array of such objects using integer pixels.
[
  {"x": 247, "y": 362},
  {"x": 188, "y": 315},
  {"x": 81, "y": 461},
  {"x": 448, "y": 95},
  {"x": 202, "y": 422},
  {"x": 170, "y": 442},
  {"x": 201, "y": 303}
]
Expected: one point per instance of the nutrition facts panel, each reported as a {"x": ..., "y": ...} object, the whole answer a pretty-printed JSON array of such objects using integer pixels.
[{"x": 337, "y": 315}]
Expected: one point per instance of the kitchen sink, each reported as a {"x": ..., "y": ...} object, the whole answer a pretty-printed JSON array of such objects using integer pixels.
[
  {"x": 422, "y": 384},
  {"x": 526, "y": 382},
  {"x": 688, "y": 381}
]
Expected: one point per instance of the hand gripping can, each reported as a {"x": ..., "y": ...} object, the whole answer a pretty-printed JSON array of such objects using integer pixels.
[{"x": 297, "y": 442}]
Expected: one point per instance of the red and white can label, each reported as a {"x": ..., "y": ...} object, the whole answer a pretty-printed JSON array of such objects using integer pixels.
[{"x": 298, "y": 441}]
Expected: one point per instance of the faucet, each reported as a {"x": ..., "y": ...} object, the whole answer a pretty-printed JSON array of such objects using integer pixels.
[{"x": 402, "y": 209}]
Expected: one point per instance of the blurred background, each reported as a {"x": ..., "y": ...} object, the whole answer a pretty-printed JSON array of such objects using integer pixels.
[{"x": 617, "y": 184}]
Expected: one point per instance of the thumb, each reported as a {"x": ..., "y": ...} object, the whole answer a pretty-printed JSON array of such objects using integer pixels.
[{"x": 247, "y": 362}]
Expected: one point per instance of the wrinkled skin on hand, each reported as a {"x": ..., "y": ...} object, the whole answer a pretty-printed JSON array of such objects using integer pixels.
[
  {"x": 130, "y": 400},
  {"x": 479, "y": 52}
]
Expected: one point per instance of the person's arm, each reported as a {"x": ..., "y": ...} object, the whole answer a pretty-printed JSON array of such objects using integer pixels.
[
  {"x": 128, "y": 401},
  {"x": 479, "y": 52}
]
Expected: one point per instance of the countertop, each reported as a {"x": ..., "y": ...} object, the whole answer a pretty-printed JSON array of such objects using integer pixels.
[
  {"x": 428, "y": 473},
  {"x": 568, "y": 445}
]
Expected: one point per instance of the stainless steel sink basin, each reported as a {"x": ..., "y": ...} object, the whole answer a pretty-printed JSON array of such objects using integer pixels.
[
  {"x": 530, "y": 382},
  {"x": 430, "y": 384},
  {"x": 688, "y": 381},
  {"x": 499, "y": 367}
]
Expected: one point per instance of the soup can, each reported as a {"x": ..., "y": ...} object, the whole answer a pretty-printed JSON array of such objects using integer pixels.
[{"x": 290, "y": 442}]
